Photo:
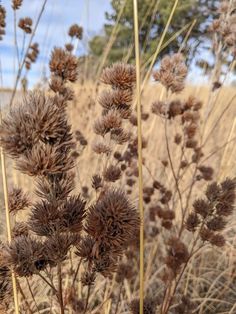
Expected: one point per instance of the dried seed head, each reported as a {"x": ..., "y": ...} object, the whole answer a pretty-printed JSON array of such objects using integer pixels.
[
  {"x": 120, "y": 136},
  {"x": 80, "y": 138},
  {"x": 101, "y": 148},
  {"x": 88, "y": 278},
  {"x": 149, "y": 306},
  {"x": 20, "y": 229},
  {"x": 115, "y": 99},
  {"x": 191, "y": 143},
  {"x": 38, "y": 119},
  {"x": 172, "y": 73},
  {"x": 185, "y": 306},
  {"x": 206, "y": 234},
  {"x": 207, "y": 172},
  {"x": 217, "y": 240},
  {"x": 109, "y": 121},
  {"x": 45, "y": 219},
  {"x": 25, "y": 24},
  {"x": 106, "y": 265},
  {"x": 73, "y": 212},
  {"x": 192, "y": 222},
  {"x": 2, "y": 21},
  {"x": 167, "y": 224},
  {"x": 201, "y": 207},
  {"x": 175, "y": 109},
  {"x": 26, "y": 255},
  {"x": 56, "y": 187},
  {"x": 190, "y": 130},
  {"x": 183, "y": 164},
  {"x": 16, "y": 4},
  {"x": 5, "y": 287},
  {"x": 44, "y": 160},
  {"x": 177, "y": 255},
  {"x": 96, "y": 182},
  {"x": 64, "y": 65},
  {"x": 57, "y": 246},
  {"x": 112, "y": 219},
  {"x": 119, "y": 75},
  {"x": 112, "y": 173},
  {"x": 17, "y": 200},
  {"x": 216, "y": 224},
  {"x": 177, "y": 139},
  {"x": 159, "y": 107},
  {"x": 124, "y": 271},
  {"x": 76, "y": 31},
  {"x": 2, "y": 16},
  {"x": 85, "y": 249},
  {"x": 69, "y": 47}
]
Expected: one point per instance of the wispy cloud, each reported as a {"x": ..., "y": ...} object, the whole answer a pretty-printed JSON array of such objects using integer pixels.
[{"x": 52, "y": 31}]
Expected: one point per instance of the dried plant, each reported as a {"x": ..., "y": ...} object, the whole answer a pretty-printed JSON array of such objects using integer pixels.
[
  {"x": 2, "y": 21},
  {"x": 75, "y": 234}
]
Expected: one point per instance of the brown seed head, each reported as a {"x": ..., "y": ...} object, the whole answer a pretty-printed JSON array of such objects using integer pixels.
[
  {"x": 64, "y": 65},
  {"x": 16, "y": 4},
  {"x": 112, "y": 173},
  {"x": 26, "y": 256},
  {"x": 172, "y": 73},
  {"x": 149, "y": 306},
  {"x": 101, "y": 148},
  {"x": 18, "y": 200},
  {"x": 119, "y": 75},
  {"x": 192, "y": 222},
  {"x": 112, "y": 219},
  {"x": 25, "y": 24},
  {"x": 76, "y": 31}
]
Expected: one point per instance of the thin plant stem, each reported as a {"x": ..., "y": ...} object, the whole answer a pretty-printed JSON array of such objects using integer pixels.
[
  {"x": 24, "y": 298},
  {"x": 27, "y": 50},
  {"x": 32, "y": 295},
  {"x": 118, "y": 300},
  {"x": 60, "y": 291},
  {"x": 172, "y": 169},
  {"x": 8, "y": 223},
  {"x": 48, "y": 283},
  {"x": 140, "y": 159},
  {"x": 76, "y": 272},
  {"x": 15, "y": 40},
  {"x": 160, "y": 44},
  {"x": 87, "y": 299}
]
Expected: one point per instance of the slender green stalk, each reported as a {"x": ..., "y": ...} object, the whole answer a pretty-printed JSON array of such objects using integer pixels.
[{"x": 139, "y": 120}]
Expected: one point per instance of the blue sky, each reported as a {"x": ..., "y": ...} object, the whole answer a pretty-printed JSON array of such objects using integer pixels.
[{"x": 52, "y": 31}]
